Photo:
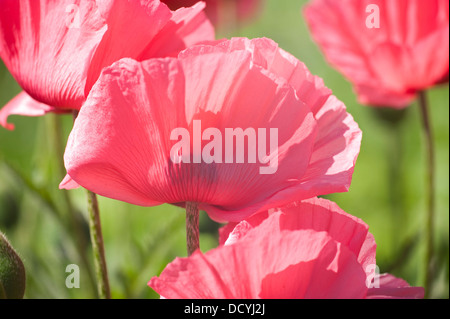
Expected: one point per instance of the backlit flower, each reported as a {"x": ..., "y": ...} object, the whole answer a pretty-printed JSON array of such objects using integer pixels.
[
  {"x": 296, "y": 139},
  {"x": 388, "y": 49},
  {"x": 57, "y": 49},
  {"x": 311, "y": 249}
]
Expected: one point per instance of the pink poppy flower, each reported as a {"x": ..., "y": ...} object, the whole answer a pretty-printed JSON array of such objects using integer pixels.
[
  {"x": 388, "y": 49},
  {"x": 122, "y": 144},
  {"x": 216, "y": 9},
  {"x": 57, "y": 49},
  {"x": 310, "y": 249}
]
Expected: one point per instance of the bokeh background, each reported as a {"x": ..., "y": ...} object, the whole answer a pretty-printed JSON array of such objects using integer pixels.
[{"x": 48, "y": 227}]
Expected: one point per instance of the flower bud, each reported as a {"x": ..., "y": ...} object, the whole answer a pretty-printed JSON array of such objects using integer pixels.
[{"x": 12, "y": 272}]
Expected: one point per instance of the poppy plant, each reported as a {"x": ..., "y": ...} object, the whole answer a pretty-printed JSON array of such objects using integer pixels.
[
  {"x": 57, "y": 49},
  {"x": 124, "y": 144},
  {"x": 392, "y": 52},
  {"x": 389, "y": 50},
  {"x": 308, "y": 250}
]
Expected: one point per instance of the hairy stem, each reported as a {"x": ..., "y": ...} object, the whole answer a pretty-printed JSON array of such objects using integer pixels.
[
  {"x": 192, "y": 227},
  {"x": 98, "y": 247}
]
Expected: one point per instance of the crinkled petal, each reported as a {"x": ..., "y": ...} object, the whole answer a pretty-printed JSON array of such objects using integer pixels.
[
  {"x": 187, "y": 27},
  {"x": 317, "y": 214},
  {"x": 269, "y": 265},
  {"x": 266, "y": 53},
  {"x": 339, "y": 137},
  {"x": 335, "y": 151}
]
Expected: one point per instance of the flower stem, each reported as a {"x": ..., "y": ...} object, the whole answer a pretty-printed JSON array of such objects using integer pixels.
[
  {"x": 430, "y": 179},
  {"x": 192, "y": 227},
  {"x": 97, "y": 247}
]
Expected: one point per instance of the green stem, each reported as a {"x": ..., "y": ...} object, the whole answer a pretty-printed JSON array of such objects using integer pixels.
[
  {"x": 430, "y": 182},
  {"x": 192, "y": 227},
  {"x": 98, "y": 247}
]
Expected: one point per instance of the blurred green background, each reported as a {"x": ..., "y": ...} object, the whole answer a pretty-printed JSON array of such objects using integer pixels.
[{"x": 387, "y": 192}]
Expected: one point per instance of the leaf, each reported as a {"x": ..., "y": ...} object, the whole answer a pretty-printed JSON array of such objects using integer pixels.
[{"x": 12, "y": 272}]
